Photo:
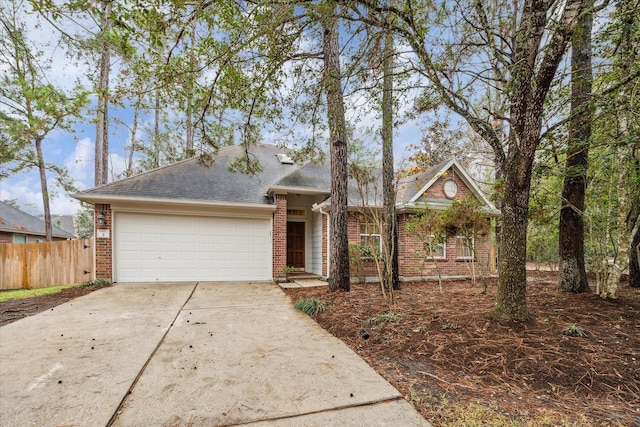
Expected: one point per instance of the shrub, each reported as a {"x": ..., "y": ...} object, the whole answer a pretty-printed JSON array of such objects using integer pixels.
[{"x": 311, "y": 306}]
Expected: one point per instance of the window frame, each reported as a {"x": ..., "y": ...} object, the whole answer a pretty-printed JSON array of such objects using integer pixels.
[
  {"x": 364, "y": 239},
  {"x": 443, "y": 238},
  {"x": 471, "y": 248}
]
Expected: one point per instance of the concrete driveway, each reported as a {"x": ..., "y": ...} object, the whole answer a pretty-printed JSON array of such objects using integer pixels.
[{"x": 187, "y": 354}]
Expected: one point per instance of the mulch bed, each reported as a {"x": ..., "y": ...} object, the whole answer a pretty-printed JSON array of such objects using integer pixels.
[
  {"x": 16, "y": 309},
  {"x": 441, "y": 350}
]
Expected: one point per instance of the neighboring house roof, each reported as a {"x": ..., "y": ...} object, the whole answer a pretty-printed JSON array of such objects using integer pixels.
[
  {"x": 64, "y": 222},
  {"x": 13, "y": 220},
  {"x": 192, "y": 181}
]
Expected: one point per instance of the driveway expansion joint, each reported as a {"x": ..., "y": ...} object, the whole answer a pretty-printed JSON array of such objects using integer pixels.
[
  {"x": 321, "y": 411},
  {"x": 118, "y": 410}
]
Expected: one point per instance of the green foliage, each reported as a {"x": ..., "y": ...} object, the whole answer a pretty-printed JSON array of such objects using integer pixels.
[
  {"x": 389, "y": 317},
  {"x": 356, "y": 261},
  {"x": 311, "y": 306},
  {"x": 97, "y": 283},
  {"x": 288, "y": 270},
  {"x": 84, "y": 223},
  {"x": 574, "y": 330}
]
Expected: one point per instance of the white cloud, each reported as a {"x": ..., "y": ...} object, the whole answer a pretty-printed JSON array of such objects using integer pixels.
[{"x": 80, "y": 163}]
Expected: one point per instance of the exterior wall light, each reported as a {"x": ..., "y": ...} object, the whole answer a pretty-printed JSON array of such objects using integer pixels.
[{"x": 101, "y": 217}]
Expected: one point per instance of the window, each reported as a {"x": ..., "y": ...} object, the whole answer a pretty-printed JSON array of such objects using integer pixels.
[
  {"x": 296, "y": 212},
  {"x": 370, "y": 236},
  {"x": 19, "y": 238},
  {"x": 436, "y": 246},
  {"x": 464, "y": 247}
]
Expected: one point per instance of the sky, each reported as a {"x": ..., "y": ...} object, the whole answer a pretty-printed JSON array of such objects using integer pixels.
[{"x": 76, "y": 151}]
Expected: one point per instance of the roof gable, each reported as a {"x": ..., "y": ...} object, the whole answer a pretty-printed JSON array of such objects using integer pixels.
[{"x": 415, "y": 189}]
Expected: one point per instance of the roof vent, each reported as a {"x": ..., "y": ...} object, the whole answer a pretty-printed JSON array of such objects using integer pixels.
[{"x": 284, "y": 159}]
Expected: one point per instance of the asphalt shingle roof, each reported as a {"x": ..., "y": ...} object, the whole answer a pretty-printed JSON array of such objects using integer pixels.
[
  {"x": 13, "y": 220},
  {"x": 191, "y": 180}
]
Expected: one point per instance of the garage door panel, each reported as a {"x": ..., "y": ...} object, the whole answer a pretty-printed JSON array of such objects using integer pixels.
[{"x": 150, "y": 247}]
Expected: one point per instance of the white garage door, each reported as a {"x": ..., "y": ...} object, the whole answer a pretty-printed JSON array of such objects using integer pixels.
[{"x": 163, "y": 248}]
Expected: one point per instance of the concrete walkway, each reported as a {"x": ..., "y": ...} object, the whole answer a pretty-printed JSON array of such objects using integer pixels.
[{"x": 187, "y": 354}]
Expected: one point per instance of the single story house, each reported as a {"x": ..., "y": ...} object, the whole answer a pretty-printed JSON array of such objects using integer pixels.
[
  {"x": 17, "y": 226},
  {"x": 189, "y": 221}
]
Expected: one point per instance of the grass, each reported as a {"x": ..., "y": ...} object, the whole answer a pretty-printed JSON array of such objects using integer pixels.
[
  {"x": 574, "y": 330},
  {"x": 389, "y": 317},
  {"x": 28, "y": 293},
  {"x": 311, "y": 306}
]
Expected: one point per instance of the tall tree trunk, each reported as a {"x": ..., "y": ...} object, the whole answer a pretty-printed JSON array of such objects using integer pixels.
[
  {"x": 102, "y": 119},
  {"x": 48, "y": 228},
  {"x": 339, "y": 277},
  {"x": 391, "y": 279},
  {"x": 511, "y": 301},
  {"x": 609, "y": 290},
  {"x": 572, "y": 275},
  {"x": 156, "y": 129},
  {"x": 134, "y": 132},
  {"x": 634, "y": 248}
]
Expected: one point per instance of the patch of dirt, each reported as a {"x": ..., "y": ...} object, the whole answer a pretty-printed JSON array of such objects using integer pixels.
[
  {"x": 16, "y": 309},
  {"x": 442, "y": 352}
]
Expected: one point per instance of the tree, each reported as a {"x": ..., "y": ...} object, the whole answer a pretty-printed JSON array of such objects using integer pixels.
[
  {"x": 31, "y": 107},
  {"x": 390, "y": 276},
  {"x": 339, "y": 276},
  {"x": 537, "y": 39},
  {"x": 624, "y": 62},
  {"x": 101, "y": 175},
  {"x": 572, "y": 276},
  {"x": 84, "y": 224}
]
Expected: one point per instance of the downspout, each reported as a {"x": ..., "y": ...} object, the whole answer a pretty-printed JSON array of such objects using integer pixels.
[{"x": 320, "y": 208}]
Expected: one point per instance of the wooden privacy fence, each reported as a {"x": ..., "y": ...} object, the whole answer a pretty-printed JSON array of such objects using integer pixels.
[{"x": 38, "y": 265}]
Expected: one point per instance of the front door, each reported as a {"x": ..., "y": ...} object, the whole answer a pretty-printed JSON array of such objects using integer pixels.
[{"x": 295, "y": 245}]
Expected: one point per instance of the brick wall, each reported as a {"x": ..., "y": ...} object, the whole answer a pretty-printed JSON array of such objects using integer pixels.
[
  {"x": 412, "y": 263},
  {"x": 436, "y": 191},
  {"x": 104, "y": 252},
  {"x": 279, "y": 240},
  {"x": 353, "y": 233}
]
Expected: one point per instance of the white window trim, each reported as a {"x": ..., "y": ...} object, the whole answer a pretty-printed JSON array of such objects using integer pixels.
[
  {"x": 473, "y": 244},
  {"x": 444, "y": 250},
  {"x": 378, "y": 235}
]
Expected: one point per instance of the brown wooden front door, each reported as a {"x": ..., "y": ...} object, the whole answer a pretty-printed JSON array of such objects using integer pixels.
[{"x": 295, "y": 244}]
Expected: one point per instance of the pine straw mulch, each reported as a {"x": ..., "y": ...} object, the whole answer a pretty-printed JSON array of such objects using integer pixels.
[{"x": 460, "y": 368}]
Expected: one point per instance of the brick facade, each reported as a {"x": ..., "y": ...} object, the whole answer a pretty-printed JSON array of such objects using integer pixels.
[
  {"x": 279, "y": 237},
  {"x": 412, "y": 263},
  {"x": 104, "y": 246},
  {"x": 436, "y": 191}
]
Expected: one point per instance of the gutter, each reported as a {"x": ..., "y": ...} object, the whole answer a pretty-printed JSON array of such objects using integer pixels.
[{"x": 156, "y": 201}]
